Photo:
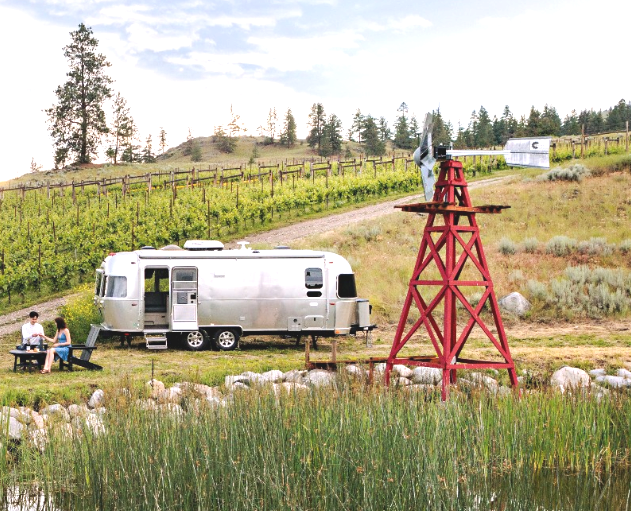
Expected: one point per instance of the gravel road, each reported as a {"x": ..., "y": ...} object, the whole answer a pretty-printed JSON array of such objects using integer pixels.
[{"x": 49, "y": 310}]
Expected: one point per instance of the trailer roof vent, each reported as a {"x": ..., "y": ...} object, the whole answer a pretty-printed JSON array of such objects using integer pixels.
[
  {"x": 171, "y": 247},
  {"x": 203, "y": 245},
  {"x": 147, "y": 247},
  {"x": 282, "y": 247}
]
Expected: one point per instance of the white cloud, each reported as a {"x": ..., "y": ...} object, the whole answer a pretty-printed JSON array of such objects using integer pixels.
[
  {"x": 142, "y": 37},
  {"x": 404, "y": 24}
]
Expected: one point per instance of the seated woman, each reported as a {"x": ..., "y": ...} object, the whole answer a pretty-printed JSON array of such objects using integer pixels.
[{"x": 61, "y": 345}]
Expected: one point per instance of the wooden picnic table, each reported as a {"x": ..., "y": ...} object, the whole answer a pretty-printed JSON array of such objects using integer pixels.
[{"x": 28, "y": 359}]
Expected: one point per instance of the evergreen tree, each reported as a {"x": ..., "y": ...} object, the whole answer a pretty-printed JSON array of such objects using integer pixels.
[
  {"x": 618, "y": 116},
  {"x": 119, "y": 128},
  {"x": 288, "y": 135},
  {"x": 269, "y": 130},
  {"x": 533, "y": 125},
  {"x": 414, "y": 131},
  {"x": 131, "y": 148},
  {"x": 402, "y": 139},
  {"x": 225, "y": 143},
  {"x": 356, "y": 127},
  {"x": 332, "y": 137},
  {"x": 196, "y": 152},
  {"x": 441, "y": 132},
  {"x": 373, "y": 145},
  {"x": 163, "y": 140},
  {"x": 188, "y": 145},
  {"x": 484, "y": 132},
  {"x": 317, "y": 121},
  {"x": 77, "y": 122},
  {"x": 147, "y": 152},
  {"x": 550, "y": 122},
  {"x": 571, "y": 126},
  {"x": 384, "y": 130}
]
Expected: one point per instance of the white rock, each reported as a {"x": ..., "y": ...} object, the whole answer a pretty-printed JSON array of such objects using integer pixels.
[
  {"x": 94, "y": 423},
  {"x": 57, "y": 411},
  {"x": 78, "y": 410},
  {"x": 239, "y": 386},
  {"x": 214, "y": 402},
  {"x": 156, "y": 387},
  {"x": 379, "y": 369},
  {"x": 568, "y": 378},
  {"x": 504, "y": 391},
  {"x": 320, "y": 378},
  {"x": 402, "y": 371},
  {"x": 171, "y": 408},
  {"x": 38, "y": 421},
  {"x": 484, "y": 381},
  {"x": 615, "y": 382},
  {"x": 16, "y": 428},
  {"x": 427, "y": 375},
  {"x": 597, "y": 372},
  {"x": 38, "y": 438},
  {"x": 294, "y": 376},
  {"x": 229, "y": 381},
  {"x": 289, "y": 388},
  {"x": 355, "y": 371},
  {"x": 515, "y": 303},
  {"x": 273, "y": 376},
  {"x": 624, "y": 373},
  {"x": 402, "y": 382},
  {"x": 171, "y": 395},
  {"x": 96, "y": 400},
  {"x": 24, "y": 415}
]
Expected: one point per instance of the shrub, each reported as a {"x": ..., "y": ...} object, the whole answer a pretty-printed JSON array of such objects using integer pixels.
[
  {"x": 574, "y": 172},
  {"x": 561, "y": 246},
  {"x": 536, "y": 290},
  {"x": 507, "y": 246},
  {"x": 625, "y": 246},
  {"x": 595, "y": 246},
  {"x": 530, "y": 245}
]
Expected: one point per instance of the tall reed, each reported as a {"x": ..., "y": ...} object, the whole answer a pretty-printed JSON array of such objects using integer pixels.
[{"x": 345, "y": 449}]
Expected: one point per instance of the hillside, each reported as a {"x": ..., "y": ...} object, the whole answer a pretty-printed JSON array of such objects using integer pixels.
[{"x": 174, "y": 158}]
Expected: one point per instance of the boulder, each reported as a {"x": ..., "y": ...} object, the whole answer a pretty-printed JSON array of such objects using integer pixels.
[
  {"x": 294, "y": 376},
  {"x": 78, "y": 410},
  {"x": 239, "y": 386},
  {"x": 595, "y": 373},
  {"x": 170, "y": 395},
  {"x": 402, "y": 382},
  {"x": 615, "y": 382},
  {"x": 55, "y": 411},
  {"x": 230, "y": 380},
  {"x": 156, "y": 386},
  {"x": 171, "y": 409},
  {"x": 568, "y": 378},
  {"x": 289, "y": 388},
  {"x": 484, "y": 381},
  {"x": 273, "y": 376},
  {"x": 402, "y": 371},
  {"x": 379, "y": 369},
  {"x": 427, "y": 375},
  {"x": 38, "y": 438},
  {"x": 146, "y": 404},
  {"x": 355, "y": 371},
  {"x": 94, "y": 423},
  {"x": 37, "y": 422},
  {"x": 320, "y": 378},
  {"x": 16, "y": 428},
  {"x": 96, "y": 400},
  {"x": 624, "y": 373},
  {"x": 515, "y": 303}
]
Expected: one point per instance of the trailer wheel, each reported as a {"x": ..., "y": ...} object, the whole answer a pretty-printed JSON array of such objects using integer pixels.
[
  {"x": 226, "y": 340},
  {"x": 196, "y": 341}
]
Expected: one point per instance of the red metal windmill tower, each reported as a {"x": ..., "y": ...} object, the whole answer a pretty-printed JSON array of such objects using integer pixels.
[{"x": 449, "y": 275}]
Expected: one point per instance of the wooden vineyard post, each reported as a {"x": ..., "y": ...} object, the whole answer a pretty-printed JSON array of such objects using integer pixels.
[
  {"x": 582, "y": 141},
  {"x": 449, "y": 266},
  {"x": 626, "y": 146}
]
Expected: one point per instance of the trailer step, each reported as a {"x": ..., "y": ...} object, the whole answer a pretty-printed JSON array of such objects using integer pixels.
[{"x": 156, "y": 340}]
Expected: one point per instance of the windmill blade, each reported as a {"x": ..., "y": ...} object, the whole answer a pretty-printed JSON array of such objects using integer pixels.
[
  {"x": 529, "y": 152},
  {"x": 424, "y": 157}
]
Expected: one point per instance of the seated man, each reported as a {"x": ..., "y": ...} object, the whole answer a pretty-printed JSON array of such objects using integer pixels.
[{"x": 32, "y": 332}]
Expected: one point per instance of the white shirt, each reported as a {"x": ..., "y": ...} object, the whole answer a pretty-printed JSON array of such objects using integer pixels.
[{"x": 28, "y": 330}]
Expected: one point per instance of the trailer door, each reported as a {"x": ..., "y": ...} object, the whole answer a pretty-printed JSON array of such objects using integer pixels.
[{"x": 184, "y": 299}]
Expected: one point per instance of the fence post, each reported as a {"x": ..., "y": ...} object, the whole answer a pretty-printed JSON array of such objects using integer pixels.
[
  {"x": 582, "y": 141},
  {"x": 627, "y": 139}
]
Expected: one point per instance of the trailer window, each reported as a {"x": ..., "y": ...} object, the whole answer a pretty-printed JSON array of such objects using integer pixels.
[
  {"x": 116, "y": 287},
  {"x": 313, "y": 278},
  {"x": 346, "y": 285}
]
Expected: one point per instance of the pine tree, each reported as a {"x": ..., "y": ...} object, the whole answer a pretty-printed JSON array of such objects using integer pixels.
[
  {"x": 288, "y": 135},
  {"x": 550, "y": 123},
  {"x": 331, "y": 142},
  {"x": 402, "y": 139},
  {"x": 147, "y": 152},
  {"x": 356, "y": 127},
  {"x": 484, "y": 132},
  {"x": 384, "y": 130},
  {"x": 77, "y": 122},
  {"x": 163, "y": 140},
  {"x": 317, "y": 120},
  {"x": 196, "y": 152},
  {"x": 373, "y": 145},
  {"x": 441, "y": 131},
  {"x": 121, "y": 119},
  {"x": 188, "y": 145},
  {"x": 131, "y": 147},
  {"x": 224, "y": 143}
]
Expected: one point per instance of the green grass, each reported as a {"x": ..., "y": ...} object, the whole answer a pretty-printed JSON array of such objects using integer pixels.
[{"x": 346, "y": 449}]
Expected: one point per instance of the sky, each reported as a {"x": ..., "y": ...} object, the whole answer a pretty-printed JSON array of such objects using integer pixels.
[{"x": 183, "y": 64}]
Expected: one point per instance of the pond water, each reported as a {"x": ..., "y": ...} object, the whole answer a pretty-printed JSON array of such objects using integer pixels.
[{"x": 546, "y": 490}]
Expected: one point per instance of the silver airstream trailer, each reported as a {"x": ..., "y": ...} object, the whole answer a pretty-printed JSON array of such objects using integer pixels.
[{"x": 206, "y": 293}]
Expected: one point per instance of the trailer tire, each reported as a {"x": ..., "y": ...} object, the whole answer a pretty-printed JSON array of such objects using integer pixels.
[
  {"x": 226, "y": 339},
  {"x": 196, "y": 341}
]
